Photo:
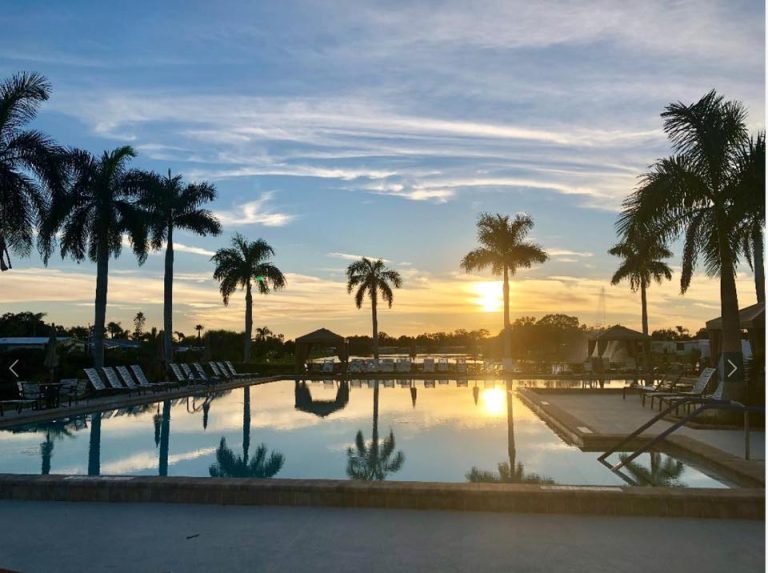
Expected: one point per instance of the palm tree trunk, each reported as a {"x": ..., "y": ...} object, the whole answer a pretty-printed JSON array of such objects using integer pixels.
[
  {"x": 730, "y": 356},
  {"x": 165, "y": 431},
  {"x": 375, "y": 319},
  {"x": 757, "y": 253},
  {"x": 248, "y": 323},
  {"x": 507, "y": 354},
  {"x": 94, "y": 446},
  {"x": 102, "y": 273},
  {"x": 168, "y": 299},
  {"x": 646, "y": 349},
  {"x": 375, "y": 430}
]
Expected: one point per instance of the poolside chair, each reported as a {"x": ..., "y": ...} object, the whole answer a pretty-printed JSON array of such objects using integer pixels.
[
  {"x": 386, "y": 365},
  {"x": 71, "y": 390},
  {"x": 403, "y": 365},
  {"x": 461, "y": 366},
  {"x": 203, "y": 375},
  {"x": 97, "y": 384},
  {"x": 114, "y": 382},
  {"x": 237, "y": 374},
  {"x": 222, "y": 373},
  {"x": 178, "y": 373},
  {"x": 27, "y": 397},
  {"x": 442, "y": 365},
  {"x": 143, "y": 381},
  {"x": 429, "y": 383},
  {"x": 697, "y": 391},
  {"x": 327, "y": 367},
  {"x": 666, "y": 383},
  {"x": 428, "y": 365},
  {"x": 355, "y": 366}
]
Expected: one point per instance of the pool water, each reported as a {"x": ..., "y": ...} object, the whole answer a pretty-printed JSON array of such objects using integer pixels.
[{"x": 423, "y": 431}]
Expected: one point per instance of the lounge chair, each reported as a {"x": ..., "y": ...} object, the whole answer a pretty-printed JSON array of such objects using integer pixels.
[
  {"x": 97, "y": 384},
  {"x": 143, "y": 381},
  {"x": 442, "y": 365},
  {"x": 180, "y": 376},
  {"x": 71, "y": 389},
  {"x": 665, "y": 384},
  {"x": 403, "y": 365},
  {"x": 219, "y": 372},
  {"x": 113, "y": 381},
  {"x": 327, "y": 367},
  {"x": 386, "y": 365},
  {"x": 428, "y": 365},
  {"x": 355, "y": 366},
  {"x": 203, "y": 375},
  {"x": 461, "y": 366},
  {"x": 237, "y": 374},
  {"x": 697, "y": 391}
]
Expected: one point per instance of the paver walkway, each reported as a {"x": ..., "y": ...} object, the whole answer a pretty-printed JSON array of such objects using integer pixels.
[{"x": 63, "y": 537}]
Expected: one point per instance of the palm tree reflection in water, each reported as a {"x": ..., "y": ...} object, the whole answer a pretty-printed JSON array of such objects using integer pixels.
[
  {"x": 94, "y": 446},
  {"x": 374, "y": 461},
  {"x": 512, "y": 471},
  {"x": 665, "y": 471},
  {"x": 165, "y": 431},
  {"x": 230, "y": 465}
]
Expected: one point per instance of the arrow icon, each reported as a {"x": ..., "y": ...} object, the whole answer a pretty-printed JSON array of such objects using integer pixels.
[
  {"x": 15, "y": 362},
  {"x": 734, "y": 368}
]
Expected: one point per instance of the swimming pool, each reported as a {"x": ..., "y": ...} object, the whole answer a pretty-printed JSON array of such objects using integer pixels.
[{"x": 445, "y": 431}]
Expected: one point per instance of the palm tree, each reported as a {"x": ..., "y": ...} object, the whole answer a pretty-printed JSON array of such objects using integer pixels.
[
  {"x": 230, "y": 465},
  {"x": 199, "y": 328},
  {"x": 94, "y": 445},
  {"x": 165, "y": 437},
  {"x": 244, "y": 263},
  {"x": 374, "y": 461},
  {"x": 751, "y": 190},
  {"x": 374, "y": 279},
  {"x": 696, "y": 192},
  {"x": 175, "y": 206},
  {"x": 642, "y": 263},
  {"x": 30, "y": 164},
  {"x": 504, "y": 249},
  {"x": 97, "y": 209}
]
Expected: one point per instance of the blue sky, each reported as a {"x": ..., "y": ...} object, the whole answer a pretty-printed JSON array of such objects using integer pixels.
[{"x": 341, "y": 128}]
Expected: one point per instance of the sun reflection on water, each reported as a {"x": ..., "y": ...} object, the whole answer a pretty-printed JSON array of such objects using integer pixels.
[{"x": 494, "y": 402}]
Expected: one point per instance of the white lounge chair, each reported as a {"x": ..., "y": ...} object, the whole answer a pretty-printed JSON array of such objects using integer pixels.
[
  {"x": 428, "y": 365},
  {"x": 386, "y": 365}
]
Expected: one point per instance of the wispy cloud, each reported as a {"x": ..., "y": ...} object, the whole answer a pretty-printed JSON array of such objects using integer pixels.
[
  {"x": 256, "y": 212},
  {"x": 351, "y": 257}
]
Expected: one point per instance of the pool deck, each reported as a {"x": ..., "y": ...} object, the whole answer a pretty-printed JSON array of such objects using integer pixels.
[
  {"x": 598, "y": 420},
  {"x": 190, "y": 538}
]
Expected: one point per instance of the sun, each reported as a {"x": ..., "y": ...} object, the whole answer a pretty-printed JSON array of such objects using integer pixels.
[{"x": 489, "y": 297}]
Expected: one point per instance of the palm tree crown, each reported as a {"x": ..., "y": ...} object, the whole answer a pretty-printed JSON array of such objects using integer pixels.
[
  {"x": 30, "y": 164},
  {"x": 641, "y": 263},
  {"x": 242, "y": 264},
  {"x": 172, "y": 205},
  {"x": 504, "y": 249}
]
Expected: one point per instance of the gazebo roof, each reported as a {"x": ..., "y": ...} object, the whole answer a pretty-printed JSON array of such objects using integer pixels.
[
  {"x": 751, "y": 317},
  {"x": 320, "y": 336},
  {"x": 620, "y": 333}
]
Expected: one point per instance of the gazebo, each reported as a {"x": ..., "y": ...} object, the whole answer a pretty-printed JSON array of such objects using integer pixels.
[
  {"x": 751, "y": 319},
  {"x": 636, "y": 343},
  {"x": 320, "y": 338},
  {"x": 321, "y": 408}
]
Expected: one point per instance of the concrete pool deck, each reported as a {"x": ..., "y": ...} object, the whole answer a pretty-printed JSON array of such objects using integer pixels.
[{"x": 156, "y": 537}]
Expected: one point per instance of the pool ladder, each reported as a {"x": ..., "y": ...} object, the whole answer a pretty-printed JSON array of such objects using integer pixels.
[{"x": 704, "y": 404}]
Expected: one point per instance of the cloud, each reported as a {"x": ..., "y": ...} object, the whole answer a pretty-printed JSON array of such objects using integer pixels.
[
  {"x": 193, "y": 250},
  {"x": 556, "y": 252},
  {"x": 254, "y": 212},
  {"x": 350, "y": 257}
]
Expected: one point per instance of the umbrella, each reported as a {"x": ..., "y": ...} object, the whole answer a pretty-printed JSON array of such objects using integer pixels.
[{"x": 51, "y": 361}]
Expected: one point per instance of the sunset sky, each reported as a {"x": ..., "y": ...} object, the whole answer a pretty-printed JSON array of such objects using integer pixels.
[{"x": 339, "y": 129}]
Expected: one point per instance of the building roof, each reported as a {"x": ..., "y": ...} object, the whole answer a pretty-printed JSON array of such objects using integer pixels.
[
  {"x": 320, "y": 336},
  {"x": 750, "y": 317},
  {"x": 29, "y": 340},
  {"x": 620, "y": 333}
]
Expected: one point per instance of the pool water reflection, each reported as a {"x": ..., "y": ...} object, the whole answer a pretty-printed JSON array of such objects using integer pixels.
[{"x": 402, "y": 430}]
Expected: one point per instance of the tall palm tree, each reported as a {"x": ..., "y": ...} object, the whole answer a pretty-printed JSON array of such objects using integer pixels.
[
  {"x": 695, "y": 192},
  {"x": 172, "y": 206},
  {"x": 244, "y": 263},
  {"x": 30, "y": 164},
  {"x": 751, "y": 191},
  {"x": 642, "y": 263},
  {"x": 374, "y": 461},
  {"x": 98, "y": 208},
  {"x": 374, "y": 279},
  {"x": 504, "y": 249},
  {"x": 199, "y": 328},
  {"x": 260, "y": 466}
]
